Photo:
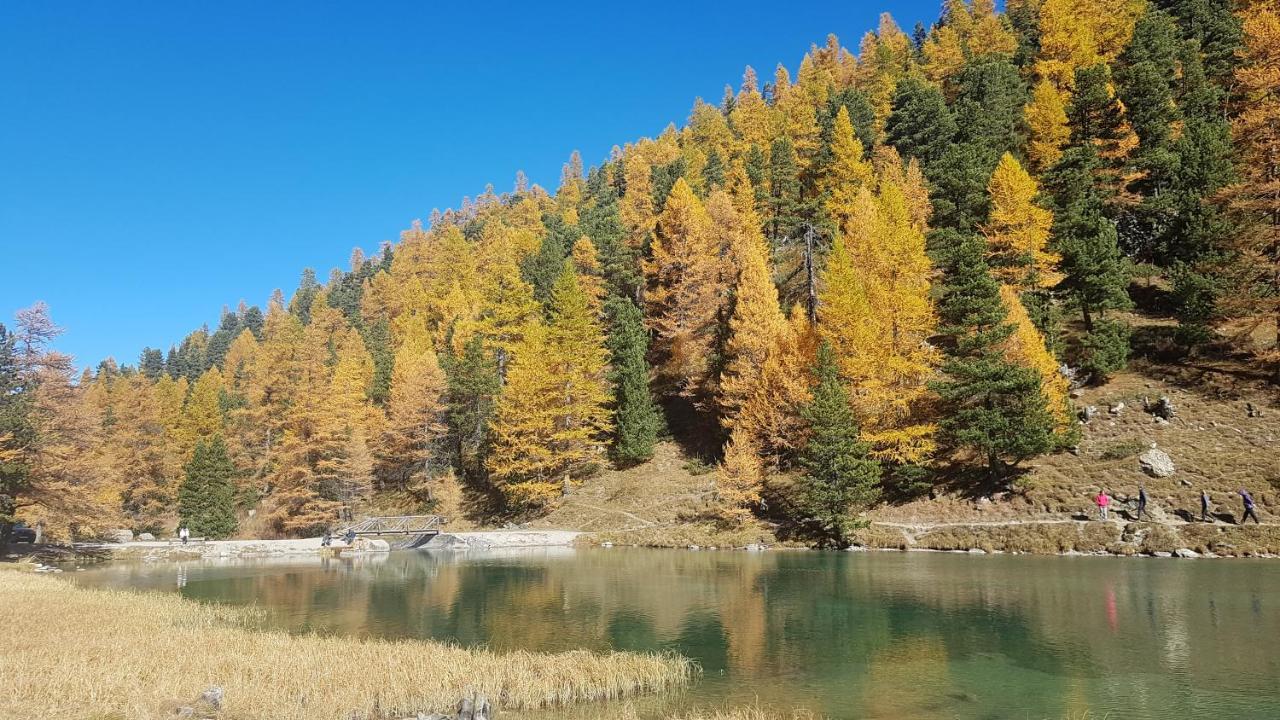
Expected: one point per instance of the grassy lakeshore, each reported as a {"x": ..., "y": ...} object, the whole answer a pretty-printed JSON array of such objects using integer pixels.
[{"x": 79, "y": 652}]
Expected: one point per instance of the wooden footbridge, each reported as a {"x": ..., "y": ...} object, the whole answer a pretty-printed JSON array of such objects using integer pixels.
[{"x": 406, "y": 531}]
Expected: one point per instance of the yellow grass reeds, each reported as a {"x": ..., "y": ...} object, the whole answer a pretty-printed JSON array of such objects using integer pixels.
[{"x": 71, "y": 651}]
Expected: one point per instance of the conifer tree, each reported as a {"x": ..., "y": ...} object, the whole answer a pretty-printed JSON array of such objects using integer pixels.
[
  {"x": 921, "y": 125},
  {"x": 875, "y": 311},
  {"x": 1018, "y": 230},
  {"x": 994, "y": 407},
  {"x": 1096, "y": 275},
  {"x": 474, "y": 385},
  {"x": 784, "y": 204},
  {"x": 683, "y": 301},
  {"x": 739, "y": 478},
  {"x": 840, "y": 478},
  {"x": 1254, "y": 265},
  {"x": 206, "y": 498},
  {"x": 636, "y": 419},
  {"x": 552, "y": 415},
  {"x": 412, "y": 453},
  {"x": 1047, "y": 130}
]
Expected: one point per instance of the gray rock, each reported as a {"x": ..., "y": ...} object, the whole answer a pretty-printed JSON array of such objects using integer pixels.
[
  {"x": 1163, "y": 554},
  {"x": 1156, "y": 463},
  {"x": 364, "y": 544},
  {"x": 147, "y": 537},
  {"x": 1116, "y": 408},
  {"x": 1087, "y": 414},
  {"x": 1186, "y": 553},
  {"x": 977, "y": 551},
  {"x": 1077, "y": 394},
  {"x": 213, "y": 697},
  {"x": 120, "y": 535}
]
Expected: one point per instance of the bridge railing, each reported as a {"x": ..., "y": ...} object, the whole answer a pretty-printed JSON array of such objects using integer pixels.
[{"x": 396, "y": 525}]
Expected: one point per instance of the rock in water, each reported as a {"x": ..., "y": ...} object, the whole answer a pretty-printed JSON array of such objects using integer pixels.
[
  {"x": 1156, "y": 463},
  {"x": 1186, "y": 553}
]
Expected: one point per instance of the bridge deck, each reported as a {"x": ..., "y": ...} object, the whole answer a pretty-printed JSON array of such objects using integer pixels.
[{"x": 421, "y": 525}]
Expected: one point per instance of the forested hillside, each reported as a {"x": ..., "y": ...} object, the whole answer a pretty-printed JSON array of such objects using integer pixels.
[{"x": 889, "y": 265}]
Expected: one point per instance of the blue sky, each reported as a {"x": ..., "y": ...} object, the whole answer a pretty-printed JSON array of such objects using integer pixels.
[{"x": 161, "y": 160}]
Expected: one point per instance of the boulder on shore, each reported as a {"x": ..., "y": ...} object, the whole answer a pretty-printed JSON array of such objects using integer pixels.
[
  {"x": 1156, "y": 463},
  {"x": 146, "y": 537},
  {"x": 120, "y": 535},
  {"x": 364, "y": 544}
]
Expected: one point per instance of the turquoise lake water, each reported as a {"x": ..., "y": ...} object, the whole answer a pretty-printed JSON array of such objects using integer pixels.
[{"x": 843, "y": 635}]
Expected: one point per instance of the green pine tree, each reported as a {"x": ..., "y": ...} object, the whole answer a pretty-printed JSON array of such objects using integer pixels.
[
  {"x": 784, "y": 202},
  {"x": 920, "y": 125},
  {"x": 474, "y": 384},
  {"x": 206, "y": 497},
  {"x": 17, "y": 432},
  {"x": 636, "y": 418},
  {"x": 993, "y": 407},
  {"x": 840, "y": 478}
]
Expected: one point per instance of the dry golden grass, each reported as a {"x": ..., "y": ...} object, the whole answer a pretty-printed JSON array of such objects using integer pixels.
[{"x": 79, "y": 652}]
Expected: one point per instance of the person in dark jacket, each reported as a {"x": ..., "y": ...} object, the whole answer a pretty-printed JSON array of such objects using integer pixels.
[
  {"x": 1142, "y": 502},
  {"x": 1249, "y": 510},
  {"x": 1204, "y": 506}
]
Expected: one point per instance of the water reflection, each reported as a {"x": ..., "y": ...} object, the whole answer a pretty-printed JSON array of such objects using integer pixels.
[{"x": 878, "y": 635}]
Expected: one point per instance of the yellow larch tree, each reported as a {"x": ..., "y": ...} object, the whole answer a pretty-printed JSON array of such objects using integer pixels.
[
  {"x": 1079, "y": 33},
  {"x": 411, "y": 452},
  {"x": 1026, "y": 346},
  {"x": 739, "y": 478},
  {"x": 202, "y": 416},
  {"x": 797, "y": 118},
  {"x": 876, "y": 312},
  {"x": 848, "y": 170},
  {"x": 757, "y": 320},
  {"x": 1256, "y": 198},
  {"x": 709, "y": 129},
  {"x": 682, "y": 301},
  {"x": 636, "y": 204},
  {"x": 1046, "y": 119},
  {"x": 552, "y": 418},
  {"x": 884, "y": 58},
  {"x": 752, "y": 118},
  {"x": 1018, "y": 230},
  {"x": 587, "y": 261}
]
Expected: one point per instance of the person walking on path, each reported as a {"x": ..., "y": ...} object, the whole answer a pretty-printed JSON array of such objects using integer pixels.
[
  {"x": 1249, "y": 510},
  {"x": 1204, "y": 506},
  {"x": 1104, "y": 501},
  {"x": 1142, "y": 503},
  {"x": 184, "y": 534}
]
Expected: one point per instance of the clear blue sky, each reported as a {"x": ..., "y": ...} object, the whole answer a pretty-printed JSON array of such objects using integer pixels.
[{"x": 160, "y": 160}]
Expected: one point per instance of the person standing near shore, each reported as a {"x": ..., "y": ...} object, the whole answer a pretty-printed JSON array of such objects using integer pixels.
[
  {"x": 1204, "y": 505},
  {"x": 1249, "y": 510},
  {"x": 1142, "y": 502},
  {"x": 184, "y": 534},
  {"x": 1104, "y": 501}
]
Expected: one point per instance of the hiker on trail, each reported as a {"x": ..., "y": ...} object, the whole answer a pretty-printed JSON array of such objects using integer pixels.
[
  {"x": 1204, "y": 506},
  {"x": 184, "y": 534},
  {"x": 350, "y": 537},
  {"x": 327, "y": 539},
  {"x": 1249, "y": 511},
  {"x": 1142, "y": 502},
  {"x": 1104, "y": 501}
]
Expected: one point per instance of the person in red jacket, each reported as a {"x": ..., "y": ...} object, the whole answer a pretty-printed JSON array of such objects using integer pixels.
[{"x": 1104, "y": 501}]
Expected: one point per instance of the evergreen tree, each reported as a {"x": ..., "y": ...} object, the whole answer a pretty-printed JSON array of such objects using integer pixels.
[
  {"x": 1096, "y": 275},
  {"x": 784, "y": 203},
  {"x": 994, "y": 406},
  {"x": 636, "y": 419},
  {"x": 840, "y": 478},
  {"x": 253, "y": 319},
  {"x": 304, "y": 297},
  {"x": 474, "y": 385},
  {"x": 206, "y": 498},
  {"x": 921, "y": 126},
  {"x": 228, "y": 328},
  {"x": 151, "y": 364},
  {"x": 18, "y": 432}
]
